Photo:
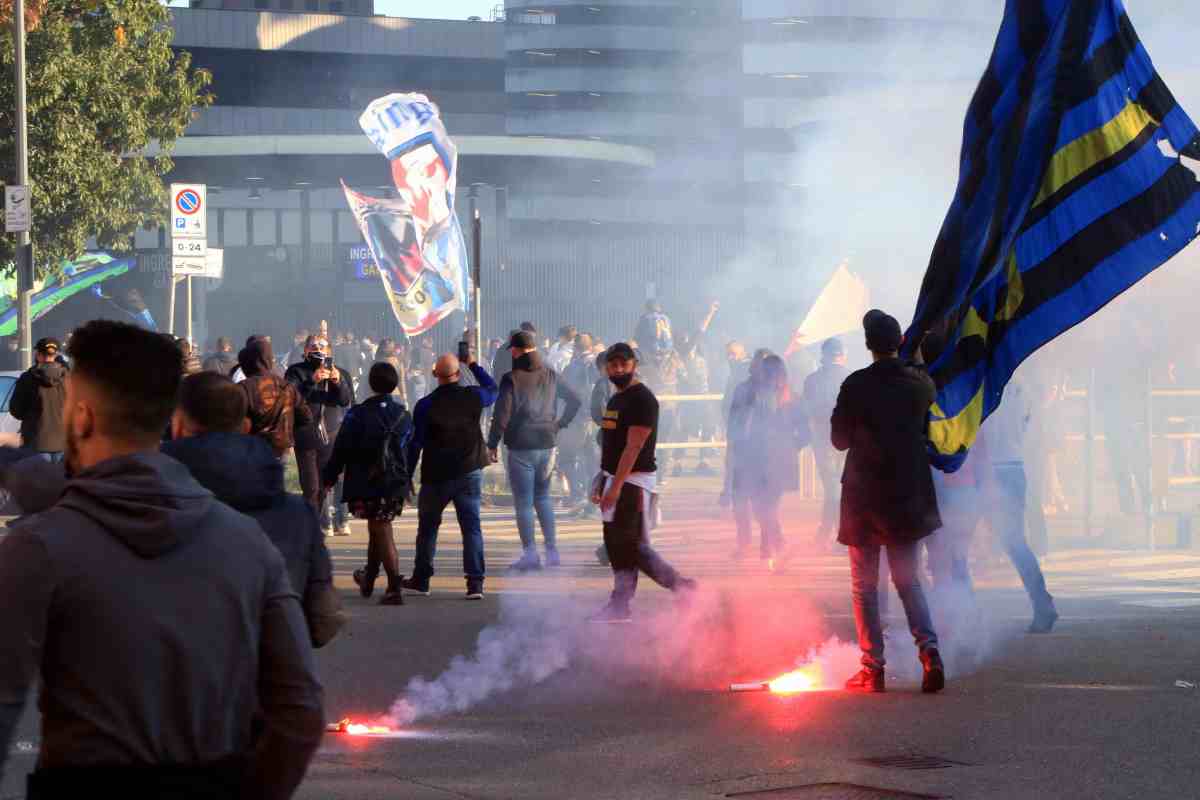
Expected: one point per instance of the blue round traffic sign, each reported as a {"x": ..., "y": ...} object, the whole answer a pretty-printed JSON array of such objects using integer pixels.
[{"x": 187, "y": 201}]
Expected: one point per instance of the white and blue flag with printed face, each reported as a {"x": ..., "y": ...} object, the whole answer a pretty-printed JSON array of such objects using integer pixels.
[{"x": 415, "y": 239}]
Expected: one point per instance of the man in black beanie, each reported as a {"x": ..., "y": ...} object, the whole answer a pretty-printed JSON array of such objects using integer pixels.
[{"x": 888, "y": 498}]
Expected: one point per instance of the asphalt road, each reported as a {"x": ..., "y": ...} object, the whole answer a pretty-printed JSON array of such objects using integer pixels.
[{"x": 543, "y": 705}]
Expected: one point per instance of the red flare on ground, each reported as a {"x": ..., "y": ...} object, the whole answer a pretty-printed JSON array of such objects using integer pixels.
[
  {"x": 357, "y": 729},
  {"x": 805, "y": 679}
]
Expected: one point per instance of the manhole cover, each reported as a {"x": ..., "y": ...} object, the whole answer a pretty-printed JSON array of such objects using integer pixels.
[
  {"x": 910, "y": 761},
  {"x": 834, "y": 791}
]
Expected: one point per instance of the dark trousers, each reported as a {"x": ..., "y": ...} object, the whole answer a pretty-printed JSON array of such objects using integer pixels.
[
  {"x": 308, "y": 462},
  {"x": 464, "y": 491},
  {"x": 218, "y": 780},
  {"x": 629, "y": 552}
]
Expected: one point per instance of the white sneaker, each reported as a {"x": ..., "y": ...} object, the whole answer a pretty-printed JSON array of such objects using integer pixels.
[{"x": 344, "y": 530}]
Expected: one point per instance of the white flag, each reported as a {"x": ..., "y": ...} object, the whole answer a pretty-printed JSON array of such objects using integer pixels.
[{"x": 839, "y": 309}]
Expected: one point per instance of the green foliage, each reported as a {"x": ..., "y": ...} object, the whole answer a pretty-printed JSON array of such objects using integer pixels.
[{"x": 103, "y": 83}]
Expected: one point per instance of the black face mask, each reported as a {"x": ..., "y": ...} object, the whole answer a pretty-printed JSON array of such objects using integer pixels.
[
  {"x": 621, "y": 381},
  {"x": 316, "y": 359}
]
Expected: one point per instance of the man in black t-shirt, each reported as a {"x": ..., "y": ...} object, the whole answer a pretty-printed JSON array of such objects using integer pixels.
[{"x": 627, "y": 497}]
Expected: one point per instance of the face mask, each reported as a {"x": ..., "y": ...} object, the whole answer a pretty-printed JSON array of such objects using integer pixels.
[
  {"x": 315, "y": 358},
  {"x": 621, "y": 381}
]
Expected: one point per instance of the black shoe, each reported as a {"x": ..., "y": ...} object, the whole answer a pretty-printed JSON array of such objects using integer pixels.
[
  {"x": 414, "y": 586},
  {"x": 553, "y": 559},
  {"x": 393, "y": 597},
  {"x": 1043, "y": 621},
  {"x": 867, "y": 681},
  {"x": 934, "y": 679},
  {"x": 612, "y": 614},
  {"x": 365, "y": 581},
  {"x": 474, "y": 588}
]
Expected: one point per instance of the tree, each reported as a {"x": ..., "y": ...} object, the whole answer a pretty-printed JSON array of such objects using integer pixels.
[{"x": 103, "y": 83}]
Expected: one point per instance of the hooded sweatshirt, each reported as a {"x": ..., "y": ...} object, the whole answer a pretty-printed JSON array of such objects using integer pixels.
[
  {"x": 38, "y": 400},
  {"x": 243, "y": 472},
  {"x": 526, "y": 412},
  {"x": 174, "y": 627}
]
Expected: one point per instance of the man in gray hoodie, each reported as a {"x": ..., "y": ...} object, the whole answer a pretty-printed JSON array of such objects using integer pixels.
[{"x": 171, "y": 648}]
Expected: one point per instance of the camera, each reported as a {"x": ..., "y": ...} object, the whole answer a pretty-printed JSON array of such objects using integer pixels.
[{"x": 464, "y": 352}]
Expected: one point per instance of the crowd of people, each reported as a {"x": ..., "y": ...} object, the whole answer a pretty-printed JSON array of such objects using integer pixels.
[{"x": 137, "y": 452}]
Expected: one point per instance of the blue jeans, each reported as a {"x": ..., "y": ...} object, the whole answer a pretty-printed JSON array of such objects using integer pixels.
[
  {"x": 1009, "y": 519},
  {"x": 864, "y": 584},
  {"x": 960, "y": 508},
  {"x": 464, "y": 491},
  {"x": 529, "y": 473}
]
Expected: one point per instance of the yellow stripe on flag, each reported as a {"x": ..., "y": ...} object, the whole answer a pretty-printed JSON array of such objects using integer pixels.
[
  {"x": 1093, "y": 147},
  {"x": 951, "y": 435}
]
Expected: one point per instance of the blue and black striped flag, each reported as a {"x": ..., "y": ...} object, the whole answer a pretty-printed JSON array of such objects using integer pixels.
[{"x": 1071, "y": 189}]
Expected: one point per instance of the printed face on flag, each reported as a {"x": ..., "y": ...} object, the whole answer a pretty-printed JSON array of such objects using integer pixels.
[{"x": 421, "y": 179}]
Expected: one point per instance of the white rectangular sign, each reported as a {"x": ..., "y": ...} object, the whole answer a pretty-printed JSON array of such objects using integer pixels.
[
  {"x": 197, "y": 248},
  {"x": 189, "y": 211},
  {"x": 214, "y": 265},
  {"x": 188, "y": 265},
  {"x": 17, "y": 218}
]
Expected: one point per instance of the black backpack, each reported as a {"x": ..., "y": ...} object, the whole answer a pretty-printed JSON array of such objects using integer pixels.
[{"x": 390, "y": 469}]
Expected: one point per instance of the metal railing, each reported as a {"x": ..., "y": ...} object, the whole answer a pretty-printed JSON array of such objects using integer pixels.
[{"x": 1153, "y": 505}]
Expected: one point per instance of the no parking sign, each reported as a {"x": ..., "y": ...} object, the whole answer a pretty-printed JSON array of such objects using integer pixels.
[{"x": 189, "y": 211}]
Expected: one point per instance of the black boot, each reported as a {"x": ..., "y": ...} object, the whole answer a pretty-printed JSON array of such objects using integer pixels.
[
  {"x": 934, "y": 679},
  {"x": 868, "y": 681}
]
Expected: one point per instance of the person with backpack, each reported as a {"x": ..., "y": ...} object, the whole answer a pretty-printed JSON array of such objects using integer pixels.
[{"x": 371, "y": 450}]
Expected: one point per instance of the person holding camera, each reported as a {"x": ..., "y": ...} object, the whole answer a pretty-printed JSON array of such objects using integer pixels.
[{"x": 328, "y": 391}]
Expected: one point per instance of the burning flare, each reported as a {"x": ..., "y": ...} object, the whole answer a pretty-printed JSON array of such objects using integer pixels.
[
  {"x": 357, "y": 728},
  {"x": 806, "y": 679}
]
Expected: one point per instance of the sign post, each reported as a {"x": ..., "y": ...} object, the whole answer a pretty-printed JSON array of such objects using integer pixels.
[
  {"x": 24, "y": 247},
  {"x": 189, "y": 243}
]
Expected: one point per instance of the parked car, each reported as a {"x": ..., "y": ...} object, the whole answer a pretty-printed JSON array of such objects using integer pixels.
[{"x": 8, "y": 423}]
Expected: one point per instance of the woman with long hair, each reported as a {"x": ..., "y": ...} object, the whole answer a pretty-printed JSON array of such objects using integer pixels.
[{"x": 767, "y": 430}]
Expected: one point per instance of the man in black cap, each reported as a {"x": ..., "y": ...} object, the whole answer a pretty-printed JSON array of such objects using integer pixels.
[
  {"x": 887, "y": 495},
  {"x": 526, "y": 418},
  {"x": 37, "y": 400},
  {"x": 820, "y": 396},
  {"x": 627, "y": 497}
]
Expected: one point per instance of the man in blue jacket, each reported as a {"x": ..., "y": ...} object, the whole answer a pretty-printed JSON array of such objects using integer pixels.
[{"x": 448, "y": 440}]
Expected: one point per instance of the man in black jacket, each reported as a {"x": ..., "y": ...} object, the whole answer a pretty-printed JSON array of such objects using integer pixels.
[
  {"x": 887, "y": 495},
  {"x": 329, "y": 391},
  {"x": 37, "y": 400},
  {"x": 448, "y": 440},
  {"x": 526, "y": 416}
]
